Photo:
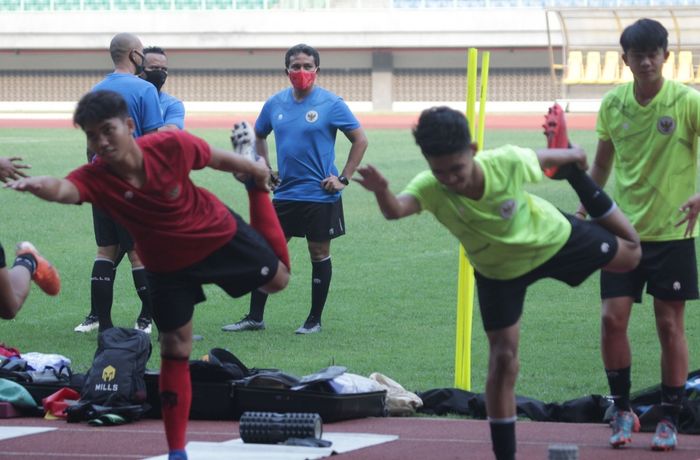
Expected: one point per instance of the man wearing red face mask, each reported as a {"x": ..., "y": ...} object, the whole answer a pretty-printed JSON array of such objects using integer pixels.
[{"x": 305, "y": 119}]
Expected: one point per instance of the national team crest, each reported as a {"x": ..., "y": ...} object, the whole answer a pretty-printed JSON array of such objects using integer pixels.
[
  {"x": 311, "y": 116},
  {"x": 507, "y": 209},
  {"x": 666, "y": 125}
]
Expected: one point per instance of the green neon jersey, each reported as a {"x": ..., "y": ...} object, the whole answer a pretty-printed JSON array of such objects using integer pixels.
[
  {"x": 655, "y": 159},
  {"x": 507, "y": 232}
]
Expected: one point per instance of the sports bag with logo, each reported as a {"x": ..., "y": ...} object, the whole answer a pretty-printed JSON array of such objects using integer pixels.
[{"x": 116, "y": 375}]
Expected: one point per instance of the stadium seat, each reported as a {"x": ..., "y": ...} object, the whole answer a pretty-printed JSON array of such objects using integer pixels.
[
  {"x": 66, "y": 5},
  {"x": 592, "y": 68},
  {"x": 626, "y": 74},
  {"x": 97, "y": 5},
  {"x": 37, "y": 5},
  {"x": 574, "y": 68},
  {"x": 219, "y": 4},
  {"x": 188, "y": 4},
  {"x": 127, "y": 4},
  {"x": 686, "y": 69},
  {"x": 157, "y": 4},
  {"x": 669, "y": 69},
  {"x": 611, "y": 68},
  {"x": 10, "y": 5},
  {"x": 246, "y": 4}
]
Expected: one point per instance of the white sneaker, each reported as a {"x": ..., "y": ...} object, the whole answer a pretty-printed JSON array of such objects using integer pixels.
[
  {"x": 90, "y": 324},
  {"x": 307, "y": 328},
  {"x": 144, "y": 325},
  {"x": 243, "y": 140},
  {"x": 245, "y": 324}
]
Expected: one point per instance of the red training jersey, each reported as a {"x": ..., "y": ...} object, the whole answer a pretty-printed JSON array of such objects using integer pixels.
[{"x": 173, "y": 222}]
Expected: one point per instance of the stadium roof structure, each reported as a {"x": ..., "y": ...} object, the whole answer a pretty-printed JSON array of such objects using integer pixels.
[
  {"x": 593, "y": 28},
  {"x": 576, "y": 30}
]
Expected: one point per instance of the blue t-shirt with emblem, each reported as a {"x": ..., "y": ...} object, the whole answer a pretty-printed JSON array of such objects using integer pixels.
[
  {"x": 141, "y": 99},
  {"x": 305, "y": 133}
]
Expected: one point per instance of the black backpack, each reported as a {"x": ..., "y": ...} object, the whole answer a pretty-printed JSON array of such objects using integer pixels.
[
  {"x": 219, "y": 365},
  {"x": 116, "y": 377}
]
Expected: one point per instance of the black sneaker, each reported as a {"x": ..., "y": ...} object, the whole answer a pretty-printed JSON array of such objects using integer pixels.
[{"x": 245, "y": 324}]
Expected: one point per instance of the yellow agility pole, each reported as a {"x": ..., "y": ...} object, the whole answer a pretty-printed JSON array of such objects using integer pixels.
[
  {"x": 465, "y": 277},
  {"x": 484, "y": 82}
]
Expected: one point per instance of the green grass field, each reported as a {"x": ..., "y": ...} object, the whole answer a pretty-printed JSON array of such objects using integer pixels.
[{"x": 392, "y": 303}]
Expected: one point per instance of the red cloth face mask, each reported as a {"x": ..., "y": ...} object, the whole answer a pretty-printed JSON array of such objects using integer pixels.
[{"x": 302, "y": 79}]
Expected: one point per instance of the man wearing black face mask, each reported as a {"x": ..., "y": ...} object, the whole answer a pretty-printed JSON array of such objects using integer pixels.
[
  {"x": 156, "y": 72},
  {"x": 113, "y": 241}
]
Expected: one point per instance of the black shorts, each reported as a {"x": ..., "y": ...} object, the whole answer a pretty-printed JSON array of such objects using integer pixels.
[
  {"x": 3, "y": 263},
  {"x": 668, "y": 268},
  {"x": 589, "y": 248},
  {"x": 110, "y": 233},
  {"x": 242, "y": 265},
  {"x": 311, "y": 220}
]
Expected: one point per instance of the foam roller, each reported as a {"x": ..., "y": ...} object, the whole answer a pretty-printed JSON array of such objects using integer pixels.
[{"x": 273, "y": 428}]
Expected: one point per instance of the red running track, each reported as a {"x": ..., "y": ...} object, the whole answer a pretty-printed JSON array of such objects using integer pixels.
[{"x": 420, "y": 438}]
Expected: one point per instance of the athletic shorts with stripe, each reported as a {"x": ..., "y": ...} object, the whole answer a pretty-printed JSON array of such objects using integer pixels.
[
  {"x": 668, "y": 268},
  {"x": 589, "y": 248},
  {"x": 240, "y": 266},
  {"x": 311, "y": 220}
]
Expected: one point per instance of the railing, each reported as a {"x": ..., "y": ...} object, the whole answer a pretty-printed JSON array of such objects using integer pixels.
[{"x": 150, "y": 5}]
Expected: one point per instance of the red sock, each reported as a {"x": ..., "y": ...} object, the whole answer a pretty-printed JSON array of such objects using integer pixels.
[
  {"x": 263, "y": 218},
  {"x": 175, "y": 390}
]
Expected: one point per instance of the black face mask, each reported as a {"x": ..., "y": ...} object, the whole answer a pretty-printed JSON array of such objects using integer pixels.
[
  {"x": 156, "y": 77},
  {"x": 139, "y": 67}
]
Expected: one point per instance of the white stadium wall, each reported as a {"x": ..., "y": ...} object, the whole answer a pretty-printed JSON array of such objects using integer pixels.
[{"x": 378, "y": 59}]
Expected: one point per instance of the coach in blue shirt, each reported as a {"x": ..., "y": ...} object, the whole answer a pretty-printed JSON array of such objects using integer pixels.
[{"x": 305, "y": 119}]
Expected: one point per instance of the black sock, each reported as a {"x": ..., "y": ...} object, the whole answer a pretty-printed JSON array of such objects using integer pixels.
[
  {"x": 503, "y": 438},
  {"x": 27, "y": 261},
  {"x": 321, "y": 274},
  {"x": 257, "y": 305},
  {"x": 620, "y": 383},
  {"x": 671, "y": 402},
  {"x": 101, "y": 291},
  {"x": 597, "y": 203},
  {"x": 142, "y": 289}
]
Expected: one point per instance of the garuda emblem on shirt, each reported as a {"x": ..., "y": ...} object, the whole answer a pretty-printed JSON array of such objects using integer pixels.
[
  {"x": 311, "y": 116},
  {"x": 174, "y": 192},
  {"x": 507, "y": 209},
  {"x": 666, "y": 125}
]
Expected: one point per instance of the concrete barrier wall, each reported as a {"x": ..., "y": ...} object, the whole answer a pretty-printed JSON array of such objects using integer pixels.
[{"x": 271, "y": 29}]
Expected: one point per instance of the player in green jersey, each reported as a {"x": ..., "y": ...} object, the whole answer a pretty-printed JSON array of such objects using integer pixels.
[
  {"x": 648, "y": 135},
  {"x": 512, "y": 238}
]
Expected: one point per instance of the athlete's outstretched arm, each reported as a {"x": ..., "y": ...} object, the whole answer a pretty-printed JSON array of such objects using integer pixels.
[
  {"x": 11, "y": 168},
  {"x": 48, "y": 188},
  {"x": 392, "y": 206}
]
